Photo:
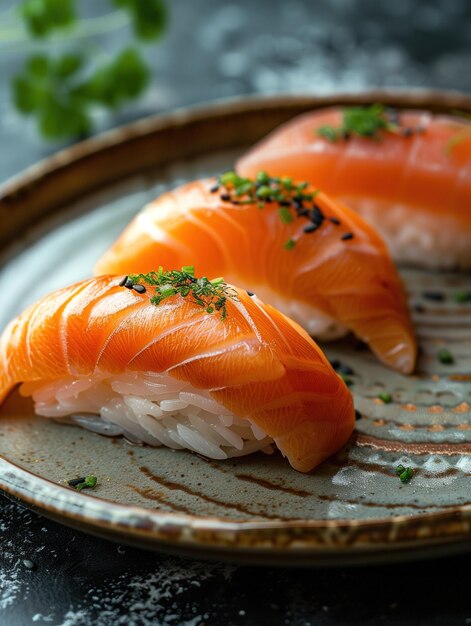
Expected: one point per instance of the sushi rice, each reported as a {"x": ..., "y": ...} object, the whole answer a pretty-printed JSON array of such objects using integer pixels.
[{"x": 150, "y": 408}]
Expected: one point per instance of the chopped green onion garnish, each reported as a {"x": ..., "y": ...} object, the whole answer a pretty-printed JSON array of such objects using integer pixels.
[
  {"x": 212, "y": 295},
  {"x": 166, "y": 291},
  {"x": 404, "y": 473},
  {"x": 229, "y": 178},
  {"x": 264, "y": 191},
  {"x": 285, "y": 215},
  {"x": 445, "y": 356},
  {"x": 328, "y": 132},
  {"x": 385, "y": 397},
  {"x": 86, "y": 482},
  {"x": 262, "y": 178},
  {"x": 217, "y": 281},
  {"x": 462, "y": 296},
  {"x": 289, "y": 245},
  {"x": 294, "y": 199},
  {"x": 362, "y": 121}
]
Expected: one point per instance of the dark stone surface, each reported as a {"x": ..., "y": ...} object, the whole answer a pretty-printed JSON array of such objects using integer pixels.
[
  {"x": 213, "y": 50},
  {"x": 78, "y": 580}
]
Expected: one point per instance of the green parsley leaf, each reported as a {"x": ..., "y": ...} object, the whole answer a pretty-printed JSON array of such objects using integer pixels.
[
  {"x": 290, "y": 244},
  {"x": 68, "y": 65},
  {"x": 43, "y": 16},
  {"x": 149, "y": 16},
  {"x": 63, "y": 117},
  {"x": 46, "y": 88},
  {"x": 55, "y": 91},
  {"x": 124, "y": 78}
]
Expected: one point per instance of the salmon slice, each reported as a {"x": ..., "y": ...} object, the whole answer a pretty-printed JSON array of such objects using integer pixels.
[
  {"x": 321, "y": 264},
  {"x": 256, "y": 363},
  {"x": 413, "y": 184}
]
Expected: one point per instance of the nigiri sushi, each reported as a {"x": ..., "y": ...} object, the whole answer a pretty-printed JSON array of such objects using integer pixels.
[
  {"x": 296, "y": 248},
  {"x": 171, "y": 359},
  {"x": 408, "y": 173}
]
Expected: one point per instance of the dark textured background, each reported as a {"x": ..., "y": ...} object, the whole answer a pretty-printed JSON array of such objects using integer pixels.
[{"x": 216, "y": 49}]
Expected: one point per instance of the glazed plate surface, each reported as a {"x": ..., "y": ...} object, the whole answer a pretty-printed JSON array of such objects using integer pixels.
[{"x": 353, "y": 509}]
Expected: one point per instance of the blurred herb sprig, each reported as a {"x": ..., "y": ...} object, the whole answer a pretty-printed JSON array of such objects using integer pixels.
[{"x": 60, "y": 91}]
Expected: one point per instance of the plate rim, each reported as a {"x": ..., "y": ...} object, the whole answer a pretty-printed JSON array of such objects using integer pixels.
[
  {"x": 303, "y": 541},
  {"x": 452, "y": 525}
]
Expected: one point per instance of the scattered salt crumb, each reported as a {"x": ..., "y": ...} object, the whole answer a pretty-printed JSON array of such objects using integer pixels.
[
  {"x": 9, "y": 588},
  {"x": 44, "y": 618},
  {"x": 146, "y": 597},
  {"x": 75, "y": 618}
]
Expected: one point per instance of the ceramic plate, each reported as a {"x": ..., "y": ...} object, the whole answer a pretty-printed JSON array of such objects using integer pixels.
[{"x": 57, "y": 219}]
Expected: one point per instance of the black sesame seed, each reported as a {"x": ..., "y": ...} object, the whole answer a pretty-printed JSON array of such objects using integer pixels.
[
  {"x": 123, "y": 282},
  {"x": 302, "y": 212},
  {"x": 250, "y": 293},
  {"x": 139, "y": 288},
  {"x": 407, "y": 132},
  {"x": 311, "y": 228},
  {"x": 214, "y": 189},
  {"x": 128, "y": 283},
  {"x": 334, "y": 220},
  {"x": 358, "y": 415},
  {"x": 436, "y": 296},
  {"x": 316, "y": 217},
  {"x": 345, "y": 369},
  {"x": 284, "y": 203},
  {"x": 317, "y": 213},
  {"x": 346, "y": 236},
  {"x": 225, "y": 196},
  {"x": 335, "y": 364}
]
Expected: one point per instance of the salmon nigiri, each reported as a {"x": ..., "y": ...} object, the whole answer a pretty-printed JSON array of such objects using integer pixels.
[
  {"x": 171, "y": 359},
  {"x": 311, "y": 257},
  {"x": 407, "y": 172}
]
